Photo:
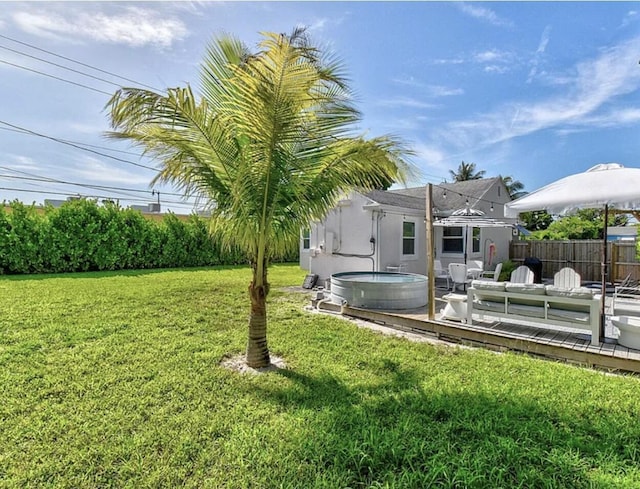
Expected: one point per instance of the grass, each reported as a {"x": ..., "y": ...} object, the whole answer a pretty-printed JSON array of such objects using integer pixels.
[{"x": 113, "y": 380}]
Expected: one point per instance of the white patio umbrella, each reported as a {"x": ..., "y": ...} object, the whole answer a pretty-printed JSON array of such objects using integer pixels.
[
  {"x": 469, "y": 218},
  {"x": 605, "y": 186}
]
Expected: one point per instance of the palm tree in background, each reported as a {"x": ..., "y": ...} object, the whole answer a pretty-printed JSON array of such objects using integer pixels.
[
  {"x": 514, "y": 187},
  {"x": 268, "y": 144},
  {"x": 466, "y": 171}
]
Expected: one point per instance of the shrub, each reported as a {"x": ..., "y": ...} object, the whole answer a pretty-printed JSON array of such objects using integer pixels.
[{"x": 83, "y": 236}]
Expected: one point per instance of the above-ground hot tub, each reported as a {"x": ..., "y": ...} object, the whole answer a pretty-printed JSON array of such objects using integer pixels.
[{"x": 379, "y": 290}]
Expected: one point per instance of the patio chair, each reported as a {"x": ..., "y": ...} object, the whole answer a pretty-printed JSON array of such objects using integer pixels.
[
  {"x": 440, "y": 272},
  {"x": 492, "y": 275},
  {"x": 458, "y": 273},
  {"x": 626, "y": 298},
  {"x": 522, "y": 275},
  {"x": 474, "y": 268},
  {"x": 567, "y": 278}
]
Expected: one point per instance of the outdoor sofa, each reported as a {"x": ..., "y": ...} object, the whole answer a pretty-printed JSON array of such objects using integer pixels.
[{"x": 549, "y": 305}]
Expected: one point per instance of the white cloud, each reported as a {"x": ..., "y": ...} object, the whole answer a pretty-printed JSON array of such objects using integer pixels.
[
  {"x": 435, "y": 160},
  {"x": 431, "y": 90},
  {"x": 496, "y": 69},
  {"x": 595, "y": 85},
  {"x": 631, "y": 17},
  {"x": 484, "y": 14},
  {"x": 98, "y": 171},
  {"x": 450, "y": 61},
  {"x": 441, "y": 91},
  {"x": 317, "y": 25},
  {"x": 492, "y": 56},
  {"x": 406, "y": 102},
  {"x": 21, "y": 162},
  {"x": 408, "y": 81},
  {"x": 135, "y": 26},
  {"x": 494, "y": 61},
  {"x": 615, "y": 118},
  {"x": 542, "y": 46}
]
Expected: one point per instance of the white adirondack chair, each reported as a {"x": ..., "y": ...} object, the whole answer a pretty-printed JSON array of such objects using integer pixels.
[
  {"x": 440, "y": 272},
  {"x": 567, "y": 278},
  {"x": 458, "y": 273},
  {"x": 522, "y": 275},
  {"x": 492, "y": 275}
]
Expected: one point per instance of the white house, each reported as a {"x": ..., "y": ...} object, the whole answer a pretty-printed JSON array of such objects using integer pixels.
[{"x": 386, "y": 230}]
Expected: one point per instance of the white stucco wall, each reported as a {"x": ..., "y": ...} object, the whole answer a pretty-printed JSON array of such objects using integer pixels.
[
  {"x": 358, "y": 237},
  {"x": 343, "y": 240},
  {"x": 391, "y": 235},
  {"x": 499, "y": 237}
]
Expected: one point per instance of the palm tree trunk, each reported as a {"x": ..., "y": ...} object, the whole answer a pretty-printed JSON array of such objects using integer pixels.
[{"x": 257, "y": 350}]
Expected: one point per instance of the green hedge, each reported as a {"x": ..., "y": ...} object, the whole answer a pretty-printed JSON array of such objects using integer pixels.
[{"x": 83, "y": 236}]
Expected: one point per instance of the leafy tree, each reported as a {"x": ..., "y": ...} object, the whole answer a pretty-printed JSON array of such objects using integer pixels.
[
  {"x": 514, "y": 187},
  {"x": 466, "y": 171},
  {"x": 584, "y": 224},
  {"x": 536, "y": 220},
  {"x": 268, "y": 143},
  {"x": 571, "y": 227}
]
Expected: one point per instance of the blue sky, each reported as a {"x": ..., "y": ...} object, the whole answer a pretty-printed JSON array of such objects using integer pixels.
[{"x": 534, "y": 90}]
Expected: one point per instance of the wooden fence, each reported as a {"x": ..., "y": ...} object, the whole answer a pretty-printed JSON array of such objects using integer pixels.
[{"x": 584, "y": 256}]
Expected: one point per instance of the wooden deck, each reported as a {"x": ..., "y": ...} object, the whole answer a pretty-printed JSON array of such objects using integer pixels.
[{"x": 550, "y": 342}]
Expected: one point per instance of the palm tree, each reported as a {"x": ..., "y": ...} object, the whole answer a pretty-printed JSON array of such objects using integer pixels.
[
  {"x": 268, "y": 145},
  {"x": 514, "y": 187},
  {"x": 466, "y": 171}
]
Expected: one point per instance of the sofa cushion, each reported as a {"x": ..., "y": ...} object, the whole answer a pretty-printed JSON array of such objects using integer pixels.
[
  {"x": 533, "y": 289},
  {"x": 574, "y": 293},
  {"x": 487, "y": 285},
  {"x": 527, "y": 290}
]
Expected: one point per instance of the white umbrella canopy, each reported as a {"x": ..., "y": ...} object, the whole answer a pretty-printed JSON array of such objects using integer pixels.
[
  {"x": 469, "y": 218},
  {"x": 608, "y": 185},
  {"x": 605, "y": 186}
]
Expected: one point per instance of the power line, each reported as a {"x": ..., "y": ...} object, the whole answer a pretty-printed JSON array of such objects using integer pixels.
[
  {"x": 77, "y": 62},
  {"x": 60, "y": 66},
  {"x": 51, "y": 180},
  {"x": 55, "y": 77},
  {"x": 39, "y": 178},
  {"x": 62, "y": 141},
  {"x": 179, "y": 204},
  {"x": 20, "y": 131}
]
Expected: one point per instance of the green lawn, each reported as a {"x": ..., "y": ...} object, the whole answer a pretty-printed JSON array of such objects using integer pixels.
[{"x": 113, "y": 380}]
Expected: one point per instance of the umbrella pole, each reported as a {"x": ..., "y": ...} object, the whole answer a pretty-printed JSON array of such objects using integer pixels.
[{"x": 603, "y": 273}]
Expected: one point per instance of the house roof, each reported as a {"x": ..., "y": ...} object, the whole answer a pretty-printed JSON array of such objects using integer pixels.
[
  {"x": 456, "y": 197},
  {"x": 397, "y": 199}
]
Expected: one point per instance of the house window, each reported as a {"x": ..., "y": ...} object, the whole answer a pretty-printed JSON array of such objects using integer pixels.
[
  {"x": 306, "y": 239},
  {"x": 408, "y": 238},
  {"x": 476, "y": 240},
  {"x": 452, "y": 241}
]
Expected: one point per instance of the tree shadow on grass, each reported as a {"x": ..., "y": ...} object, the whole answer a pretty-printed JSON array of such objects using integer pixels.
[{"x": 393, "y": 432}]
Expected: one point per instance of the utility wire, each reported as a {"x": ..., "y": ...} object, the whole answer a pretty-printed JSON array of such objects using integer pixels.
[
  {"x": 38, "y": 178},
  {"x": 179, "y": 204},
  {"x": 34, "y": 177},
  {"x": 55, "y": 77},
  {"x": 20, "y": 131},
  {"x": 77, "y": 62},
  {"x": 62, "y": 141},
  {"x": 95, "y": 187},
  {"x": 60, "y": 66}
]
